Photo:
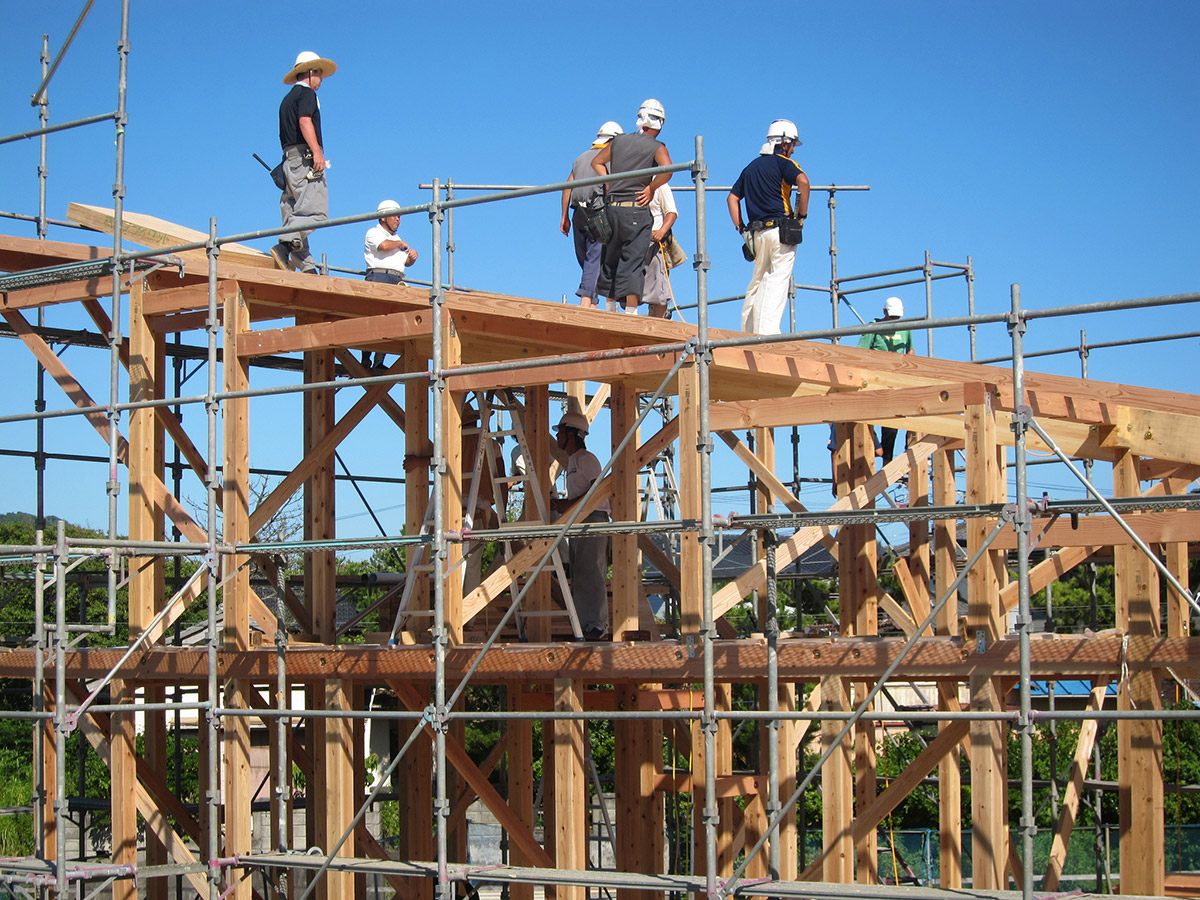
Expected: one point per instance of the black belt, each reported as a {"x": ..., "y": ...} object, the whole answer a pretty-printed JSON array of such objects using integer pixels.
[
  {"x": 763, "y": 224},
  {"x": 385, "y": 272}
]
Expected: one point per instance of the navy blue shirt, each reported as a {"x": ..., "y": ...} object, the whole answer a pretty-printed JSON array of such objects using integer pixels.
[
  {"x": 766, "y": 187},
  {"x": 300, "y": 101}
]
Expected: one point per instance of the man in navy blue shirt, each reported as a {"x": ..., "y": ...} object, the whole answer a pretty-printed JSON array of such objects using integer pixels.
[{"x": 766, "y": 187}]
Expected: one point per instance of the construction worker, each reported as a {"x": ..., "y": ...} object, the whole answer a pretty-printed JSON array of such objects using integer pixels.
[
  {"x": 899, "y": 341},
  {"x": 386, "y": 255},
  {"x": 385, "y": 252},
  {"x": 588, "y": 556},
  {"x": 623, "y": 263},
  {"x": 580, "y": 199},
  {"x": 305, "y": 197},
  {"x": 766, "y": 186}
]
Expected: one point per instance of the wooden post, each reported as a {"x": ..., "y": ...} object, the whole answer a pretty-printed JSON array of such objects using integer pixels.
[
  {"x": 858, "y": 558},
  {"x": 452, "y": 484},
  {"x": 147, "y": 587},
  {"x": 569, "y": 786},
  {"x": 837, "y": 788},
  {"x": 1139, "y": 741},
  {"x": 949, "y": 771},
  {"x": 691, "y": 603},
  {"x": 122, "y": 762},
  {"x": 1175, "y": 555},
  {"x": 639, "y": 814},
  {"x": 626, "y": 578},
  {"x": 520, "y": 784},
  {"x": 418, "y": 457},
  {"x": 989, "y": 761},
  {"x": 537, "y": 433},
  {"x": 235, "y": 507}
]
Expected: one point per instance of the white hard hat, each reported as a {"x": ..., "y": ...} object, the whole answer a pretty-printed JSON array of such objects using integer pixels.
[
  {"x": 307, "y": 61},
  {"x": 651, "y": 114},
  {"x": 609, "y": 129},
  {"x": 387, "y": 204},
  {"x": 893, "y": 306},
  {"x": 783, "y": 130},
  {"x": 575, "y": 420}
]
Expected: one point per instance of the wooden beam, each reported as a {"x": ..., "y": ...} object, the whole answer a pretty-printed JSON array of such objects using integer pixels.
[
  {"x": 63, "y": 378},
  {"x": 862, "y": 406},
  {"x": 155, "y": 233},
  {"x": 358, "y": 332},
  {"x": 1104, "y": 531}
]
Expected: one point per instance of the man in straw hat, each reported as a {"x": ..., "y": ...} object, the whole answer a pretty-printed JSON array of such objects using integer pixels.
[{"x": 305, "y": 199}]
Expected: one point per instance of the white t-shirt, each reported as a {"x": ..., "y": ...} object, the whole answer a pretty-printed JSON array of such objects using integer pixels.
[
  {"x": 395, "y": 260},
  {"x": 661, "y": 203}
]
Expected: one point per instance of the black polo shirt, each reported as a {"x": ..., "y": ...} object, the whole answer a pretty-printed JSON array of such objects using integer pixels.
[{"x": 300, "y": 101}]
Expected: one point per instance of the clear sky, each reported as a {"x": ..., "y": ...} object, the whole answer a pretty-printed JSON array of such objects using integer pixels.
[{"x": 1054, "y": 144}]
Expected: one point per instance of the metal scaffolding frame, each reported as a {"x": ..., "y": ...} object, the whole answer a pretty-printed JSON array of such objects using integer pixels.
[{"x": 55, "y": 640}]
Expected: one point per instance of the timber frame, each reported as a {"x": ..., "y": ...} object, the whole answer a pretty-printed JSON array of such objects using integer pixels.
[{"x": 654, "y": 686}]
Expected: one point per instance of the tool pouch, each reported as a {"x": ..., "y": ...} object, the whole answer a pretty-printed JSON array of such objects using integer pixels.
[
  {"x": 597, "y": 227},
  {"x": 791, "y": 230}
]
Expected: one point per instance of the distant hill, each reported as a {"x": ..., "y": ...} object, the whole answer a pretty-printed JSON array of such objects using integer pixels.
[{"x": 24, "y": 518}]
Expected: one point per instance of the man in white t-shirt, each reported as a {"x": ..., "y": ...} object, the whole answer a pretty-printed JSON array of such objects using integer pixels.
[{"x": 387, "y": 255}]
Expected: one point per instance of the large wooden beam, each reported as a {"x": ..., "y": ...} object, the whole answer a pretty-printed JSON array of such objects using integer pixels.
[{"x": 358, "y": 332}]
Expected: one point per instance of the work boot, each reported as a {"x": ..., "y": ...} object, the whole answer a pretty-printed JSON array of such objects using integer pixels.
[{"x": 279, "y": 253}]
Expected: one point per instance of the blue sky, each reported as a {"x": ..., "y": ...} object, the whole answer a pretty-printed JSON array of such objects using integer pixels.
[{"x": 1053, "y": 143}]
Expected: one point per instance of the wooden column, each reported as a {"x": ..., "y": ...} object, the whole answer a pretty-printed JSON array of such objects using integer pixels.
[
  {"x": 122, "y": 762},
  {"x": 521, "y": 786},
  {"x": 235, "y": 507},
  {"x": 919, "y": 532},
  {"x": 691, "y": 603},
  {"x": 639, "y": 814},
  {"x": 146, "y": 592},
  {"x": 949, "y": 771},
  {"x": 860, "y": 557},
  {"x": 1175, "y": 556},
  {"x": 989, "y": 762},
  {"x": 626, "y": 577},
  {"x": 723, "y": 765},
  {"x": 1139, "y": 741},
  {"x": 418, "y": 450},
  {"x": 331, "y": 796},
  {"x": 837, "y": 788},
  {"x": 452, "y": 486},
  {"x": 764, "y": 450},
  {"x": 569, "y": 786},
  {"x": 414, "y": 784},
  {"x": 537, "y": 433}
]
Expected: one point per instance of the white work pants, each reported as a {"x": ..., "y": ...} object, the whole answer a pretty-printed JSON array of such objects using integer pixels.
[{"x": 766, "y": 296}]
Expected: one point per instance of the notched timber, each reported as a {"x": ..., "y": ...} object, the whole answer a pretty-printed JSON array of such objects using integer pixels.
[
  {"x": 357, "y": 332},
  {"x": 800, "y": 659}
]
